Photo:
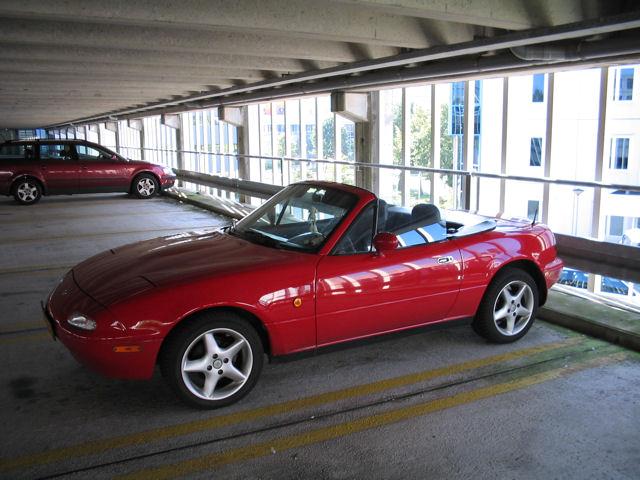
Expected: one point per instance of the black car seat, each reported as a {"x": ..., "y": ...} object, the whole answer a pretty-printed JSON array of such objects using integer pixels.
[{"x": 425, "y": 213}]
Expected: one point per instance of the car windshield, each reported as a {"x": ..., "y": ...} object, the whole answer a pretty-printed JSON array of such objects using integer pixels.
[{"x": 300, "y": 217}]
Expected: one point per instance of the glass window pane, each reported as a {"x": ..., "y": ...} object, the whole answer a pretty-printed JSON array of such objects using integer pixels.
[
  {"x": 535, "y": 156},
  {"x": 537, "y": 94}
]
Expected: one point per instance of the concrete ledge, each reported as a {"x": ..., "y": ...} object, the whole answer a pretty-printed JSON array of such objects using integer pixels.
[{"x": 611, "y": 324}]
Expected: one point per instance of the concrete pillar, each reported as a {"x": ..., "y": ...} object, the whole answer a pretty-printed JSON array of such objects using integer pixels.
[
  {"x": 355, "y": 107},
  {"x": 172, "y": 120},
  {"x": 505, "y": 143},
  {"x": 547, "y": 149},
  {"x": 113, "y": 127},
  {"x": 138, "y": 125}
]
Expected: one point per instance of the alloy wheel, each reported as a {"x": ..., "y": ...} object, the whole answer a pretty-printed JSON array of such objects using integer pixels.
[
  {"x": 216, "y": 364},
  {"x": 513, "y": 308}
]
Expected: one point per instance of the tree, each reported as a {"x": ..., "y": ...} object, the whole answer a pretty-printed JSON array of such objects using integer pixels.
[{"x": 328, "y": 146}]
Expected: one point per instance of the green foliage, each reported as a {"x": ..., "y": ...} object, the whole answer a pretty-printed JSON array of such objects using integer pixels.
[{"x": 328, "y": 147}]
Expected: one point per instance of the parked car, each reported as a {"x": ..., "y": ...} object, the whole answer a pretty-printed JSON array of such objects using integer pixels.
[
  {"x": 631, "y": 237},
  {"x": 318, "y": 264},
  {"x": 610, "y": 287},
  {"x": 30, "y": 169}
]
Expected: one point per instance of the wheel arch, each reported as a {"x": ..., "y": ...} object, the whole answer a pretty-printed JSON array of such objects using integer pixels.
[
  {"x": 249, "y": 317},
  {"x": 23, "y": 176},
  {"x": 142, "y": 172},
  {"x": 532, "y": 269}
]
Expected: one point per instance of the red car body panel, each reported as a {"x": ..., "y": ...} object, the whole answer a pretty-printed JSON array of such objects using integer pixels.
[
  {"x": 78, "y": 175},
  {"x": 138, "y": 293}
]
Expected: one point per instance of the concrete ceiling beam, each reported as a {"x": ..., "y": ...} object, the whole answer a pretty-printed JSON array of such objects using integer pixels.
[
  {"x": 510, "y": 15},
  {"x": 108, "y": 70},
  {"x": 76, "y": 54},
  {"x": 68, "y": 34},
  {"x": 299, "y": 18}
]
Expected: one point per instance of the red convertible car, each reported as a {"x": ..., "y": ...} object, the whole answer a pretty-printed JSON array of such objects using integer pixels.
[
  {"x": 318, "y": 264},
  {"x": 30, "y": 169}
]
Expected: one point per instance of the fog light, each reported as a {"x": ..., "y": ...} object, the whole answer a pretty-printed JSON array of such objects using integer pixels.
[{"x": 82, "y": 322}]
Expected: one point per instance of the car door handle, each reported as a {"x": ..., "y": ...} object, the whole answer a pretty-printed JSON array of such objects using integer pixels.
[
  {"x": 43, "y": 167},
  {"x": 447, "y": 259}
]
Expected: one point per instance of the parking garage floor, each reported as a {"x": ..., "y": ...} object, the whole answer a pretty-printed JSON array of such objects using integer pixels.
[{"x": 435, "y": 404}]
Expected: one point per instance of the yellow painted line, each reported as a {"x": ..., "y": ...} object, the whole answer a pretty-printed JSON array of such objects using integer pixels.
[
  {"x": 25, "y": 337},
  {"x": 172, "y": 431},
  {"x": 256, "y": 450}
]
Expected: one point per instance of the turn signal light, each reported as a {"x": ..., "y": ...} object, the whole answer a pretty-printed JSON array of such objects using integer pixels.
[{"x": 127, "y": 349}]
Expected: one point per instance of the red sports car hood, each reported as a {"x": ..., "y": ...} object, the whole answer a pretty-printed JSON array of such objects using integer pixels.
[{"x": 120, "y": 273}]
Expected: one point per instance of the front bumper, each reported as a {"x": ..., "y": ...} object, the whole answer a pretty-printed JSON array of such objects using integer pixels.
[
  {"x": 112, "y": 355},
  {"x": 552, "y": 272},
  {"x": 167, "y": 182}
]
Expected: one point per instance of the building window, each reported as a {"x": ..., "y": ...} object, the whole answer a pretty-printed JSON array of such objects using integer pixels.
[
  {"x": 616, "y": 225},
  {"x": 537, "y": 94},
  {"x": 535, "y": 156},
  {"x": 457, "y": 108},
  {"x": 619, "y": 158},
  {"x": 532, "y": 209},
  {"x": 623, "y": 84}
]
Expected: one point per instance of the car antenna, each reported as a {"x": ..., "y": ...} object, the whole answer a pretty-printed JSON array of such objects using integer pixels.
[{"x": 535, "y": 217}]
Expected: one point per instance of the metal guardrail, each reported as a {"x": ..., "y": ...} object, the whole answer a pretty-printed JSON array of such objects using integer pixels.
[
  {"x": 412, "y": 168},
  {"x": 603, "y": 258}
]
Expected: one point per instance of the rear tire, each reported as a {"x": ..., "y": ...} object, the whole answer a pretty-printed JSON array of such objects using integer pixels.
[
  {"x": 508, "y": 308},
  {"x": 145, "y": 186},
  {"x": 27, "y": 191},
  {"x": 213, "y": 361}
]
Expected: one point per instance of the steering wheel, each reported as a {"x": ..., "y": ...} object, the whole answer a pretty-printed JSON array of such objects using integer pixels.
[{"x": 308, "y": 239}]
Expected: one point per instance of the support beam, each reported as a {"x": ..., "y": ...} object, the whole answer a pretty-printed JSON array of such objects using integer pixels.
[
  {"x": 174, "y": 121},
  {"x": 548, "y": 140},
  {"x": 505, "y": 143},
  {"x": 233, "y": 115},
  {"x": 600, "y": 160},
  {"x": 352, "y": 106},
  {"x": 434, "y": 161},
  {"x": 313, "y": 20},
  {"x": 135, "y": 123}
]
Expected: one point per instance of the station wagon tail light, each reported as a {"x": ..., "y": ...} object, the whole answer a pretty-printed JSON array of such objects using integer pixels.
[{"x": 82, "y": 322}]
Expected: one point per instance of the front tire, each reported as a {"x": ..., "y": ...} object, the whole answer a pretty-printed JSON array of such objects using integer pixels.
[
  {"x": 508, "y": 308},
  {"x": 145, "y": 186},
  {"x": 27, "y": 191},
  {"x": 213, "y": 361}
]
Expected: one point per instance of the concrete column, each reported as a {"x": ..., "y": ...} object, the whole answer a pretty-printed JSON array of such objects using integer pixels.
[
  {"x": 505, "y": 143},
  {"x": 355, "y": 107},
  {"x": 373, "y": 174},
  {"x": 113, "y": 127},
  {"x": 467, "y": 144},
  {"x": 239, "y": 118},
  {"x": 547, "y": 149},
  {"x": 434, "y": 161},
  {"x": 138, "y": 125},
  {"x": 172, "y": 120}
]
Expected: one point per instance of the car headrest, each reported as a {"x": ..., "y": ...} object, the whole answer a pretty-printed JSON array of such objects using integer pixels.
[{"x": 426, "y": 213}]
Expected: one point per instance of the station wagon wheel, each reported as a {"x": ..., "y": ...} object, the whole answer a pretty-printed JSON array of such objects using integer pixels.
[
  {"x": 27, "y": 191},
  {"x": 213, "y": 361},
  {"x": 145, "y": 186},
  {"x": 508, "y": 307}
]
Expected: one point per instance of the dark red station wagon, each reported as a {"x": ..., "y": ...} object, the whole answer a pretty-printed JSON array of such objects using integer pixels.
[{"x": 30, "y": 169}]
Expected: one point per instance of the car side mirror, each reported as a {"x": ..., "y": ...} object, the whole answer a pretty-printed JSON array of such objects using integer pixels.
[{"x": 385, "y": 242}]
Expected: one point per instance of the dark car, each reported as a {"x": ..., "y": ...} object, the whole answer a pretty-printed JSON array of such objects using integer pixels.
[{"x": 30, "y": 169}]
